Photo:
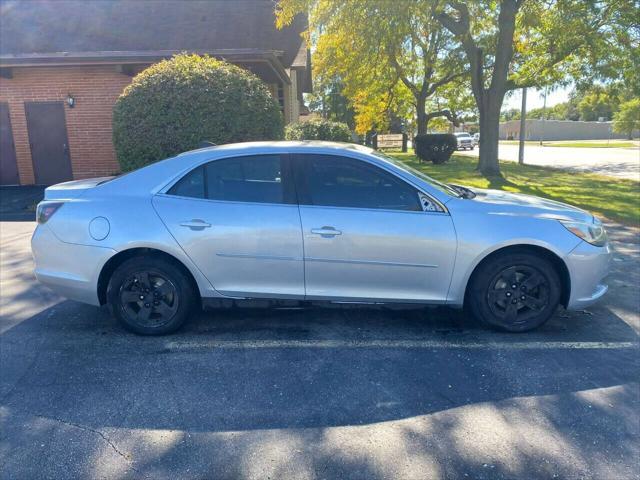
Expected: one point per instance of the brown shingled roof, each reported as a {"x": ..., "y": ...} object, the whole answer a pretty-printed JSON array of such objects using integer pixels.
[{"x": 50, "y": 26}]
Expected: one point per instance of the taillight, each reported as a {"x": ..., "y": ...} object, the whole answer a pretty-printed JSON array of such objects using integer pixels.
[{"x": 46, "y": 210}]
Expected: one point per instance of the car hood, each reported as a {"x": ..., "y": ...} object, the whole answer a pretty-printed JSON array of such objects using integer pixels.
[{"x": 506, "y": 203}]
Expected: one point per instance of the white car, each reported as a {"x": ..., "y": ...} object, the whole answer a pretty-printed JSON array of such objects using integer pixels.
[
  {"x": 301, "y": 222},
  {"x": 465, "y": 141}
]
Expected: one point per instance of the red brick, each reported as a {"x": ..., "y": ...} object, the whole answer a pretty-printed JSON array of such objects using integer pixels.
[{"x": 95, "y": 89}]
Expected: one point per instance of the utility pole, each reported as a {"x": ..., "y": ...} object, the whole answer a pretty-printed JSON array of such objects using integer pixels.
[
  {"x": 544, "y": 114},
  {"x": 523, "y": 115}
]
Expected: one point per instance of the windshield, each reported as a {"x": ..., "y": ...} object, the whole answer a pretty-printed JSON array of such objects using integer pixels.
[
  {"x": 443, "y": 187},
  {"x": 462, "y": 135}
]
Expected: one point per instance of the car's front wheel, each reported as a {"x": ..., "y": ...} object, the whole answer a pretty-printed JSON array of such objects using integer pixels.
[
  {"x": 150, "y": 295},
  {"x": 515, "y": 292}
]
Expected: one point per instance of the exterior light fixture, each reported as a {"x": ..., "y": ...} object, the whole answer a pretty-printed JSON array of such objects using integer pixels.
[{"x": 70, "y": 101}]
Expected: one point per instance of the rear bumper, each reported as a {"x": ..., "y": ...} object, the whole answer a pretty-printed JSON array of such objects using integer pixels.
[
  {"x": 70, "y": 270},
  {"x": 588, "y": 266}
]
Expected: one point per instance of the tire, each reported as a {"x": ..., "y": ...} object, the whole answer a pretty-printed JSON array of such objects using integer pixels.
[
  {"x": 495, "y": 302},
  {"x": 150, "y": 295}
]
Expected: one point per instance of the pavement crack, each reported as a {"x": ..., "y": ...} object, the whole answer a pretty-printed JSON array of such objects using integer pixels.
[{"x": 92, "y": 430}]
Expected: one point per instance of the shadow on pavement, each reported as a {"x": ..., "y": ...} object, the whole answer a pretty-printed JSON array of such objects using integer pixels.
[
  {"x": 17, "y": 203},
  {"x": 78, "y": 368}
]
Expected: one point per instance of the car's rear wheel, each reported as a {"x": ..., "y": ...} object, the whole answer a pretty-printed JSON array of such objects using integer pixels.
[
  {"x": 515, "y": 292},
  {"x": 150, "y": 295}
]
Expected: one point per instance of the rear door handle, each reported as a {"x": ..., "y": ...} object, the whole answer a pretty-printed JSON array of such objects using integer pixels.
[
  {"x": 326, "y": 231},
  {"x": 195, "y": 224}
]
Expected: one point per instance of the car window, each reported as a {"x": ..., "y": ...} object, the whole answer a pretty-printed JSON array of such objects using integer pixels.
[
  {"x": 345, "y": 182},
  {"x": 191, "y": 185},
  {"x": 240, "y": 179}
]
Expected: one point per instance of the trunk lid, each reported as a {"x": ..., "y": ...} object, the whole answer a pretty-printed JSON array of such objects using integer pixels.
[{"x": 73, "y": 189}]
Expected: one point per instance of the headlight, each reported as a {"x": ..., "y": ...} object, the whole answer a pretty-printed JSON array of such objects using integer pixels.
[{"x": 593, "y": 233}]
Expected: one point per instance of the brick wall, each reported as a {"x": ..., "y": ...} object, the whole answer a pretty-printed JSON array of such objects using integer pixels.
[{"x": 95, "y": 89}]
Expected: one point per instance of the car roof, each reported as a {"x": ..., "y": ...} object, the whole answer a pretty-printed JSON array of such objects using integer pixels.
[{"x": 280, "y": 146}]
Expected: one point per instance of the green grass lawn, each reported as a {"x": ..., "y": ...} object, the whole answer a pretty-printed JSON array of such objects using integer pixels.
[
  {"x": 615, "y": 199},
  {"x": 577, "y": 144}
]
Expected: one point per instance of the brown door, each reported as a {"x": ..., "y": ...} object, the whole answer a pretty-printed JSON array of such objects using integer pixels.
[
  {"x": 48, "y": 141},
  {"x": 8, "y": 165}
]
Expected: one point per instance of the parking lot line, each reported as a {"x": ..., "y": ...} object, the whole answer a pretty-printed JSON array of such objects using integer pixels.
[{"x": 423, "y": 344}]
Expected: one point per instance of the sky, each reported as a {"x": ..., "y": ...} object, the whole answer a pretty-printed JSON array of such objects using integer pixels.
[{"x": 535, "y": 98}]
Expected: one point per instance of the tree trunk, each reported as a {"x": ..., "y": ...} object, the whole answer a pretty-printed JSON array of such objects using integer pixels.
[
  {"x": 489, "y": 136},
  {"x": 488, "y": 99},
  {"x": 422, "y": 116}
]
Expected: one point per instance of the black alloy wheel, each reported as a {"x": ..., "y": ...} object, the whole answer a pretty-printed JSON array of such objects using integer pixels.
[
  {"x": 518, "y": 293},
  {"x": 151, "y": 295},
  {"x": 515, "y": 292},
  {"x": 148, "y": 298}
]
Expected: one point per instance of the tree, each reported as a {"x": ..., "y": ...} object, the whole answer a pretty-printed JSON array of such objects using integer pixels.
[
  {"x": 619, "y": 61},
  {"x": 596, "y": 105},
  {"x": 378, "y": 108},
  {"x": 511, "y": 114},
  {"x": 383, "y": 52},
  {"x": 328, "y": 101},
  {"x": 627, "y": 118},
  {"x": 177, "y": 104},
  {"x": 513, "y": 44}
]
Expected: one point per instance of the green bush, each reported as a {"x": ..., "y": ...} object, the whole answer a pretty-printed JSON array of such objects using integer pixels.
[
  {"x": 436, "y": 147},
  {"x": 176, "y": 104},
  {"x": 318, "y": 130}
]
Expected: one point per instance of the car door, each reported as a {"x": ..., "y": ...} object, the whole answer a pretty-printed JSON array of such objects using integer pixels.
[
  {"x": 367, "y": 236},
  {"x": 237, "y": 219}
]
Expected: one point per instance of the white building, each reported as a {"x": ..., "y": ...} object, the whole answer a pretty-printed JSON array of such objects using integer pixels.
[{"x": 559, "y": 130}]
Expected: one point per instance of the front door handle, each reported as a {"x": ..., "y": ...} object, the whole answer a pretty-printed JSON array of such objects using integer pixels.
[
  {"x": 195, "y": 224},
  {"x": 326, "y": 231}
]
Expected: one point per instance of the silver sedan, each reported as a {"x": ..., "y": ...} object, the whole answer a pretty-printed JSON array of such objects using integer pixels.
[{"x": 282, "y": 223}]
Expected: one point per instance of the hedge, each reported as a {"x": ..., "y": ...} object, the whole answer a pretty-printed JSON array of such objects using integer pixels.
[
  {"x": 436, "y": 147},
  {"x": 318, "y": 130},
  {"x": 177, "y": 104}
]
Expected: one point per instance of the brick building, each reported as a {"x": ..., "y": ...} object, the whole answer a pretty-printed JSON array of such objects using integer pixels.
[{"x": 63, "y": 63}]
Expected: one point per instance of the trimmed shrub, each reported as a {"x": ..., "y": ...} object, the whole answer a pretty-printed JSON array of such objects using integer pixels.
[
  {"x": 318, "y": 130},
  {"x": 436, "y": 147},
  {"x": 176, "y": 104}
]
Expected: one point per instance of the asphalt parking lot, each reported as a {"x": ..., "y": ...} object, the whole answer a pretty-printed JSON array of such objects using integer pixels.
[
  {"x": 316, "y": 393},
  {"x": 613, "y": 162}
]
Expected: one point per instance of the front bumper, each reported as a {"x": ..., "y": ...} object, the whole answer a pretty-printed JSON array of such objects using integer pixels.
[
  {"x": 69, "y": 269},
  {"x": 588, "y": 266}
]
